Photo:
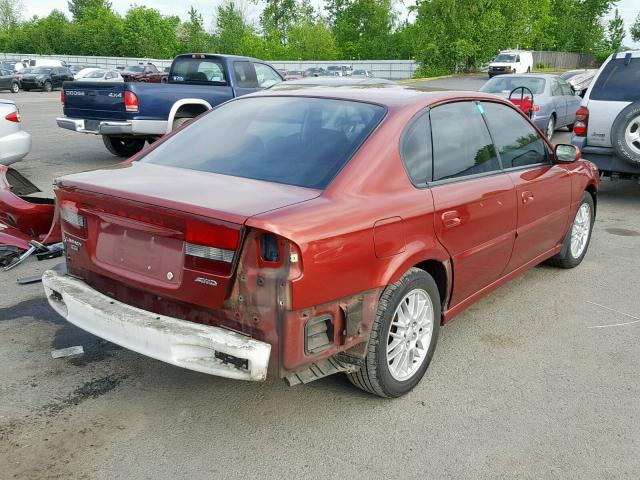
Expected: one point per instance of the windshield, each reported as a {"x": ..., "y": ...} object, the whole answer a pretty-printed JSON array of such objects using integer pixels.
[
  {"x": 293, "y": 72},
  {"x": 95, "y": 74},
  {"x": 193, "y": 70},
  {"x": 41, "y": 71},
  {"x": 505, "y": 84},
  {"x": 503, "y": 57},
  {"x": 333, "y": 68},
  {"x": 134, "y": 69},
  {"x": 292, "y": 140}
]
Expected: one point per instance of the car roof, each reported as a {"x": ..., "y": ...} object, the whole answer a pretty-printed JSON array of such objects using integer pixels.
[{"x": 390, "y": 96}]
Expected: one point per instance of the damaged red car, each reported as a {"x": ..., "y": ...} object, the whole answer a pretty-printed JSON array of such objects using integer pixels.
[
  {"x": 26, "y": 220},
  {"x": 305, "y": 232}
]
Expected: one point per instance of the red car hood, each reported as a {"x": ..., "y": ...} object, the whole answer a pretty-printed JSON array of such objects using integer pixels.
[{"x": 233, "y": 199}]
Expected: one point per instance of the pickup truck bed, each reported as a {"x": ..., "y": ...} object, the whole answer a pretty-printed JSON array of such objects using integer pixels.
[{"x": 131, "y": 113}]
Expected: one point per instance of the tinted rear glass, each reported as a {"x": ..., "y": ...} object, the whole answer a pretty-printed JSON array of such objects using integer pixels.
[
  {"x": 205, "y": 71},
  {"x": 506, "y": 84},
  {"x": 293, "y": 140},
  {"x": 618, "y": 82}
]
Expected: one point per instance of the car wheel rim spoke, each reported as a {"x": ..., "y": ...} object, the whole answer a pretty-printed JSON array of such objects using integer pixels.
[
  {"x": 632, "y": 135},
  {"x": 409, "y": 335},
  {"x": 580, "y": 230}
]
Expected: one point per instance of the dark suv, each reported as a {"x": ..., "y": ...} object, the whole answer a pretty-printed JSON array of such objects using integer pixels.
[
  {"x": 45, "y": 78},
  {"x": 607, "y": 127}
]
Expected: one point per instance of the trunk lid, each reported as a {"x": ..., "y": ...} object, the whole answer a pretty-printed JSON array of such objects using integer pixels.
[
  {"x": 94, "y": 100},
  {"x": 172, "y": 232}
]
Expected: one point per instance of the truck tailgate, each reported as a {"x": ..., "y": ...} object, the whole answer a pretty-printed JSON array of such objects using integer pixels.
[{"x": 94, "y": 100}]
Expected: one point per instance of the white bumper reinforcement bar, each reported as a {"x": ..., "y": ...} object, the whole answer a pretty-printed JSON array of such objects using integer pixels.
[{"x": 202, "y": 348}]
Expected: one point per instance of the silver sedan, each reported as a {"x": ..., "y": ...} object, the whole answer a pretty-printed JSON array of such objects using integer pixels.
[
  {"x": 14, "y": 142},
  {"x": 554, "y": 101}
]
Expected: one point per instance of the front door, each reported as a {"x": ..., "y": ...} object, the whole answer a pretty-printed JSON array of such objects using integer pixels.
[
  {"x": 474, "y": 200},
  {"x": 543, "y": 190},
  {"x": 246, "y": 80}
]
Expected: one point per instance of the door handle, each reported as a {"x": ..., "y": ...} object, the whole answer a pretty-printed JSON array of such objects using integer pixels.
[
  {"x": 527, "y": 196},
  {"x": 451, "y": 219}
]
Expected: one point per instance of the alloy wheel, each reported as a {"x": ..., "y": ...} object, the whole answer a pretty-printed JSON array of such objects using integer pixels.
[
  {"x": 409, "y": 335},
  {"x": 632, "y": 135},
  {"x": 580, "y": 230}
]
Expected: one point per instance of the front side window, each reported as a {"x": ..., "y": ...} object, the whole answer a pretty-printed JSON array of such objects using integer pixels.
[
  {"x": 461, "y": 142},
  {"x": 292, "y": 140},
  {"x": 415, "y": 149},
  {"x": 266, "y": 75},
  {"x": 517, "y": 141}
]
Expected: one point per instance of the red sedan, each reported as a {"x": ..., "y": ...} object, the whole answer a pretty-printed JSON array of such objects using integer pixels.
[{"x": 303, "y": 232}]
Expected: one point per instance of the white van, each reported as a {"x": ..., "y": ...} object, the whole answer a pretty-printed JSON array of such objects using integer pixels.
[
  {"x": 511, "y": 61},
  {"x": 39, "y": 62}
]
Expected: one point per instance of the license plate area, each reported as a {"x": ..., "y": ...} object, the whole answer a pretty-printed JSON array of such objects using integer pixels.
[
  {"x": 92, "y": 125},
  {"x": 136, "y": 253}
]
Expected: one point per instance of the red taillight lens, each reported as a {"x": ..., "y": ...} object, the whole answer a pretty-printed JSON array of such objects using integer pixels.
[
  {"x": 208, "y": 241},
  {"x": 535, "y": 108},
  {"x": 62, "y": 97},
  {"x": 582, "y": 122},
  {"x": 130, "y": 101},
  {"x": 69, "y": 214},
  {"x": 13, "y": 116}
]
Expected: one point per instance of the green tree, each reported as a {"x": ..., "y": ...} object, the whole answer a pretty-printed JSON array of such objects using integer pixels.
[
  {"x": 615, "y": 32},
  {"x": 192, "y": 35},
  {"x": 146, "y": 33},
  {"x": 79, "y": 7},
  {"x": 10, "y": 13},
  {"x": 634, "y": 30},
  {"x": 232, "y": 33},
  {"x": 311, "y": 41},
  {"x": 362, "y": 28},
  {"x": 100, "y": 32}
]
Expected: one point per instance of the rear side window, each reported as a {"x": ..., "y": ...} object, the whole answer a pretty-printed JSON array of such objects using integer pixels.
[
  {"x": 461, "y": 142},
  {"x": 245, "y": 75},
  {"x": 415, "y": 149},
  {"x": 618, "y": 82},
  {"x": 517, "y": 141},
  {"x": 292, "y": 140}
]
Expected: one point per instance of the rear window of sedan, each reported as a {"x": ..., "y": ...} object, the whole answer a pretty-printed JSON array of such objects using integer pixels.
[
  {"x": 300, "y": 141},
  {"x": 506, "y": 84}
]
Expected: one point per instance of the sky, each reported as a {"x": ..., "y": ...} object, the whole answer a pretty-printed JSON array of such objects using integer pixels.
[{"x": 628, "y": 9}]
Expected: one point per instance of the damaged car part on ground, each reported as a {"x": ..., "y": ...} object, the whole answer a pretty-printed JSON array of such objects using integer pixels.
[
  {"x": 28, "y": 223},
  {"x": 318, "y": 231}
]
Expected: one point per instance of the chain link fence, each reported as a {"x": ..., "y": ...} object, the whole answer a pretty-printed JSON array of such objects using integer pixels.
[{"x": 390, "y": 69}]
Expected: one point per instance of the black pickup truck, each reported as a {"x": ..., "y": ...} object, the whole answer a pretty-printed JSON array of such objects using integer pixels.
[{"x": 129, "y": 114}]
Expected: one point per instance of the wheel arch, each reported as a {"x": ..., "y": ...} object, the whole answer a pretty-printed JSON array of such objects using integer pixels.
[
  {"x": 191, "y": 106},
  {"x": 593, "y": 191}
]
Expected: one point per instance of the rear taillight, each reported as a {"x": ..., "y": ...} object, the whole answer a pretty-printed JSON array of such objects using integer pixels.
[
  {"x": 210, "y": 241},
  {"x": 535, "y": 108},
  {"x": 130, "y": 101},
  {"x": 13, "y": 116},
  {"x": 69, "y": 214},
  {"x": 582, "y": 122},
  {"x": 62, "y": 97}
]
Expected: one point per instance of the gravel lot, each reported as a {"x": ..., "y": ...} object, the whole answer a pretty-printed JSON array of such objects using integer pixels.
[{"x": 521, "y": 386}]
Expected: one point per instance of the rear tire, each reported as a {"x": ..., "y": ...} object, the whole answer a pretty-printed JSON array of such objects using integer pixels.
[
  {"x": 123, "y": 146},
  {"x": 625, "y": 134},
  {"x": 403, "y": 334},
  {"x": 15, "y": 88},
  {"x": 178, "y": 122},
  {"x": 576, "y": 241},
  {"x": 47, "y": 87}
]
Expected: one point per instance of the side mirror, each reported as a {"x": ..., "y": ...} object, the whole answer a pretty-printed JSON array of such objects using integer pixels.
[{"x": 566, "y": 153}]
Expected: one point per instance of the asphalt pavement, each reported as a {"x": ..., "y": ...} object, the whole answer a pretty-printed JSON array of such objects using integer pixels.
[{"x": 539, "y": 380}]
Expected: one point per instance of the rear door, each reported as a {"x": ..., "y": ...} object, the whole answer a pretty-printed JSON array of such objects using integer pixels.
[
  {"x": 543, "y": 190},
  {"x": 474, "y": 200},
  {"x": 6, "y": 78},
  {"x": 246, "y": 80},
  {"x": 94, "y": 100},
  {"x": 559, "y": 102}
]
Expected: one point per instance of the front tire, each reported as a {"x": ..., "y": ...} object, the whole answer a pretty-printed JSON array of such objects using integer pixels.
[
  {"x": 15, "y": 88},
  {"x": 576, "y": 241},
  {"x": 403, "y": 336},
  {"x": 123, "y": 146},
  {"x": 47, "y": 86}
]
